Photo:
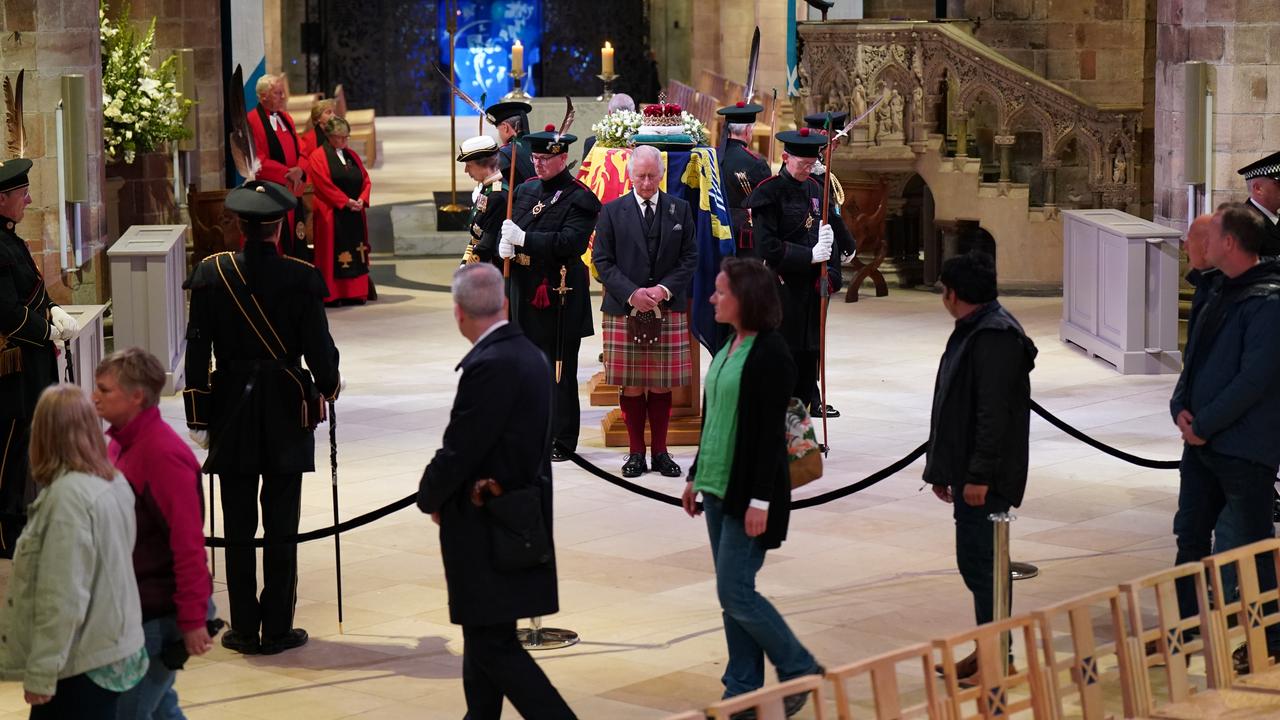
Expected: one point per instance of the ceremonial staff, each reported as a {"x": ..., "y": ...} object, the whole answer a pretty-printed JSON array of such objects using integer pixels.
[
  {"x": 511, "y": 195},
  {"x": 451, "y": 25},
  {"x": 773, "y": 127},
  {"x": 71, "y": 366},
  {"x": 213, "y": 530},
  {"x": 337, "y": 535},
  {"x": 824, "y": 292}
]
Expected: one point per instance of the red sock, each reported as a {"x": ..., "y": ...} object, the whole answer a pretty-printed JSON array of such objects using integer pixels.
[
  {"x": 659, "y": 418},
  {"x": 633, "y": 416}
]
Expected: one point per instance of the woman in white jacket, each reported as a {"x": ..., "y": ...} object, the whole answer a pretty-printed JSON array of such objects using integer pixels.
[{"x": 71, "y": 628}]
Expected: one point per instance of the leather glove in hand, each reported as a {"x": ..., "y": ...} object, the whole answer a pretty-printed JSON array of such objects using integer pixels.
[
  {"x": 64, "y": 326},
  {"x": 511, "y": 233},
  {"x": 199, "y": 437}
]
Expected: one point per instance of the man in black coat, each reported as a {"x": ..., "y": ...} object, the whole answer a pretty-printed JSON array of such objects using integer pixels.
[
  {"x": 259, "y": 313},
  {"x": 551, "y": 223},
  {"x": 741, "y": 170},
  {"x": 645, "y": 252},
  {"x": 978, "y": 431},
  {"x": 512, "y": 122},
  {"x": 498, "y": 430},
  {"x": 787, "y": 214},
  {"x": 30, "y": 324},
  {"x": 1263, "y": 181}
]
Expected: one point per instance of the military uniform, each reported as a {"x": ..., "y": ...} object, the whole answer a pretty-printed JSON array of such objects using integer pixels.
[
  {"x": 524, "y": 163},
  {"x": 485, "y": 223},
  {"x": 27, "y": 361},
  {"x": 259, "y": 408},
  {"x": 558, "y": 216},
  {"x": 1268, "y": 167},
  {"x": 516, "y": 113},
  {"x": 741, "y": 169},
  {"x": 832, "y": 122},
  {"x": 787, "y": 214}
]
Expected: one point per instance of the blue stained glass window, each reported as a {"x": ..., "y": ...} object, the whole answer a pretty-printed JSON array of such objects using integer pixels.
[{"x": 486, "y": 31}]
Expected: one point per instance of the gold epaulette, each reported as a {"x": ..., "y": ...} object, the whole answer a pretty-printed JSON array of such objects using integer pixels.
[
  {"x": 469, "y": 255},
  {"x": 837, "y": 190},
  {"x": 495, "y": 186},
  {"x": 298, "y": 260},
  {"x": 215, "y": 256}
]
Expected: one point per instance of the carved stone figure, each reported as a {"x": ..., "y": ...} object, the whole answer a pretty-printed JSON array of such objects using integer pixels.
[
  {"x": 917, "y": 105},
  {"x": 859, "y": 98},
  {"x": 895, "y": 112},
  {"x": 1119, "y": 169}
]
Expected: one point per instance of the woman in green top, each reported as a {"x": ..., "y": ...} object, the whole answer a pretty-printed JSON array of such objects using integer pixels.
[
  {"x": 71, "y": 628},
  {"x": 741, "y": 473}
]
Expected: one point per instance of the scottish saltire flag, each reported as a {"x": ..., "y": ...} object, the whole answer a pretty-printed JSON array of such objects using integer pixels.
[
  {"x": 692, "y": 176},
  {"x": 793, "y": 58}
]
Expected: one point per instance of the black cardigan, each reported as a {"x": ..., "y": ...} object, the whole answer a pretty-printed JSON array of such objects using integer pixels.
[{"x": 760, "y": 450}]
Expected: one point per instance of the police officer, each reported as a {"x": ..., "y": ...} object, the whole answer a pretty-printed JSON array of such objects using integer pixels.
[
  {"x": 30, "y": 324},
  {"x": 488, "y": 202},
  {"x": 741, "y": 169},
  {"x": 551, "y": 221},
  {"x": 259, "y": 313},
  {"x": 1263, "y": 181},
  {"x": 512, "y": 121},
  {"x": 786, "y": 210}
]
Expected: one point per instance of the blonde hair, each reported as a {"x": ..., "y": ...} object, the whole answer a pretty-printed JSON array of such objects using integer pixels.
[
  {"x": 320, "y": 106},
  {"x": 66, "y": 436}
]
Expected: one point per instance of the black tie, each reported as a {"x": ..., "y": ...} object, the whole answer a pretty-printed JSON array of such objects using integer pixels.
[{"x": 648, "y": 213}]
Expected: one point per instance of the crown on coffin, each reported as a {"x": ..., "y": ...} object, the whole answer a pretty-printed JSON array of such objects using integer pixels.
[{"x": 663, "y": 113}]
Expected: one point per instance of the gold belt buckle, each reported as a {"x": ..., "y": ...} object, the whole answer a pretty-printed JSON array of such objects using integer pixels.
[{"x": 522, "y": 259}]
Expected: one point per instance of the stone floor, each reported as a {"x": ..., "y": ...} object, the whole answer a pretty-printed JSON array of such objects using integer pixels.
[{"x": 858, "y": 576}]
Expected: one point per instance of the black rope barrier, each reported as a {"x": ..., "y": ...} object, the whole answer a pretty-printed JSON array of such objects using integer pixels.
[
  {"x": 320, "y": 534},
  {"x": 1099, "y": 445}
]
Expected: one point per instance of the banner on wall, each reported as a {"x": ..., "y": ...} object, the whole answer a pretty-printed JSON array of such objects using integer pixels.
[
  {"x": 487, "y": 30},
  {"x": 793, "y": 69},
  {"x": 244, "y": 20}
]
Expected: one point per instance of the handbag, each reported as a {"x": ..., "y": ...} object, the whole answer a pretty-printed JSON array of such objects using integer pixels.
[
  {"x": 645, "y": 328},
  {"x": 804, "y": 455}
]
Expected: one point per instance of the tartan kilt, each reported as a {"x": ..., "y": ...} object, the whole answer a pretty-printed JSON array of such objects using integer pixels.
[{"x": 666, "y": 363}]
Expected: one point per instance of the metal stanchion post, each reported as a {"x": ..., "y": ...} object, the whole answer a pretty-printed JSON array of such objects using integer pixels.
[
  {"x": 1000, "y": 580},
  {"x": 536, "y": 637},
  {"x": 1023, "y": 570}
]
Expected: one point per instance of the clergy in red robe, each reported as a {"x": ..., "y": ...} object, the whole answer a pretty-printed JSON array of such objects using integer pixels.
[
  {"x": 275, "y": 142},
  {"x": 313, "y": 136},
  {"x": 341, "y": 234}
]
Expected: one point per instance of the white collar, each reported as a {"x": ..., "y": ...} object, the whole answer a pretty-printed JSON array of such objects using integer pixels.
[
  {"x": 1275, "y": 219},
  {"x": 489, "y": 332},
  {"x": 640, "y": 202}
]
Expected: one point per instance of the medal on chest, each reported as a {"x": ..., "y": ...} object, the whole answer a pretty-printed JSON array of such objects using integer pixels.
[
  {"x": 482, "y": 203},
  {"x": 541, "y": 206},
  {"x": 808, "y": 220}
]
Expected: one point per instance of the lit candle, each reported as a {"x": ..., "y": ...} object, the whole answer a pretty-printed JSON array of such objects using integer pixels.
[
  {"x": 517, "y": 58},
  {"x": 606, "y": 56}
]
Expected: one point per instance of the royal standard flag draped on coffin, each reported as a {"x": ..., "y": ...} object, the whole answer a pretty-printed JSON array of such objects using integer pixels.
[{"x": 692, "y": 176}]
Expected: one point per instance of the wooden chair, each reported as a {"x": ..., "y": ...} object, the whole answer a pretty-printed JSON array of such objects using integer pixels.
[
  {"x": 364, "y": 133},
  {"x": 1249, "y": 610},
  {"x": 882, "y": 675},
  {"x": 996, "y": 692},
  {"x": 768, "y": 701},
  {"x": 864, "y": 212},
  {"x": 704, "y": 108},
  {"x": 708, "y": 82},
  {"x": 691, "y": 715},
  {"x": 1085, "y": 670},
  {"x": 733, "y": 92},
  {"x": 681, "y": 94}
]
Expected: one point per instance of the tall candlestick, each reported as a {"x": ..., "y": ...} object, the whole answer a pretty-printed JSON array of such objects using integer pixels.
[
  {"x": 606, "y": 57},
  {"x": 517, "y": 58}
]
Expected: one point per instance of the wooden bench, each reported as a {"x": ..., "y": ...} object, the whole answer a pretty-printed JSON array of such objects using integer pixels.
[{"x": 364, "y": 134}]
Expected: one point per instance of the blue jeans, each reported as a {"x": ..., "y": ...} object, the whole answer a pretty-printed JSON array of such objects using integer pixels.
[
  {"x": 154, "y": 698},
  {"x": 752, "y": 626}
]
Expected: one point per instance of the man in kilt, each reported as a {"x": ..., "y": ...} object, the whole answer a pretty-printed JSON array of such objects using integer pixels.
[{"x": 645, "y": 253}]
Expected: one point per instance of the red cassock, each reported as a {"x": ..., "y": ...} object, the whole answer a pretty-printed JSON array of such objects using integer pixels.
[
  {"x": 340, "y": 236},
  {"x": 307, "y": 143},
  {"x": 277, "y": 158}
]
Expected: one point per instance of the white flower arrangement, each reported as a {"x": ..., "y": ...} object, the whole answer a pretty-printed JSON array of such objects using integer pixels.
[
  {"x": 616, "y": 129},
  {"x": 141, "y": 106},
  {"x": 694, "y": 128}
]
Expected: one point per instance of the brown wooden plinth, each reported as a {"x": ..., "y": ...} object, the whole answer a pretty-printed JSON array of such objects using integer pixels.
[{"x": 682, "y": 430}]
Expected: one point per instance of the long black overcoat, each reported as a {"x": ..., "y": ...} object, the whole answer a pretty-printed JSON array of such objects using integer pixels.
[{"x": 497, "y": 429}]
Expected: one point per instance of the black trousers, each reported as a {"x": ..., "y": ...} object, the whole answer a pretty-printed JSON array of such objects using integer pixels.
[
  {"x": 806, "y": 375},
  {"x": 281, "y": 504},
  {"x": 494, "y": 666},
  {"x": 15, "y": 480},
  {"x": 77, "y": 698},
  {"x": 566, "y": 412},
  {"x": 975, "y": 551}
]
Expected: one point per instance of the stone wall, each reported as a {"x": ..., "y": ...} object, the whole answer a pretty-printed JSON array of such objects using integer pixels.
[
  {"x": 899, "y": 9},
  {"x": 51, "y": 38},
  {"x": 1240, "y": 39}
]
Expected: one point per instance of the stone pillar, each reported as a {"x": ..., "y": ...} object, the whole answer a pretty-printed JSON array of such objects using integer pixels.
[
  {"x": 960, "y": 122},
  {"x": 1005, "y": 145},
  {"x": 1241, "y": 44},
  {"x": 1051, "y": 182}
]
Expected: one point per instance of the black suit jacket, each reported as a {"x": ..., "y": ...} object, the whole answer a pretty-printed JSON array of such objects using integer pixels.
[
  {"x": 621, "y": 255},
  {"x": 497, "y": 429},
  {"x": 1271, "y": 240}
]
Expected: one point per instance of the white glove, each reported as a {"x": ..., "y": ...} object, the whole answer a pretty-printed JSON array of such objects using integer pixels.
[
  {"x": 826, "y": 237},
  {"x": 475, "y": 193},
  {"x": 506, "y": 250},
  {"x": 511, "y": 233},
  {"x": 342, "y": 384},
  {"x": 199, "y": 437},
  {"x": 64, "y": 326}
]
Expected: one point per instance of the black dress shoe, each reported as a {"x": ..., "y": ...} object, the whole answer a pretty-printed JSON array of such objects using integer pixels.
[
  {"x": 243, "y": 643},
  {"x": 557, "y": 455},
  {"x": 815, "y": 411},
  {"x": 663, "y": 463},
  {"x": 634, "y": 467},
  {"x": 296, "y": 637}
]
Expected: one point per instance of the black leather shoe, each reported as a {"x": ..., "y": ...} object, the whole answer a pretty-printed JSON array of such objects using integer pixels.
[
  {"x": 243, "y": 643},
  {"x": 663, "y": 463},
  {"x": 634, "y": 467},
  {"x": 296, "y": 637},
  {"x": 815, "y": 411},
  {"x": 791, "y": 704},
  {"x": 557, "y": 455}
]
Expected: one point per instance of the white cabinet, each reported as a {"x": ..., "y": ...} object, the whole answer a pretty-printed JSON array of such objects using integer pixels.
[{"x": 148, "y": 267}]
